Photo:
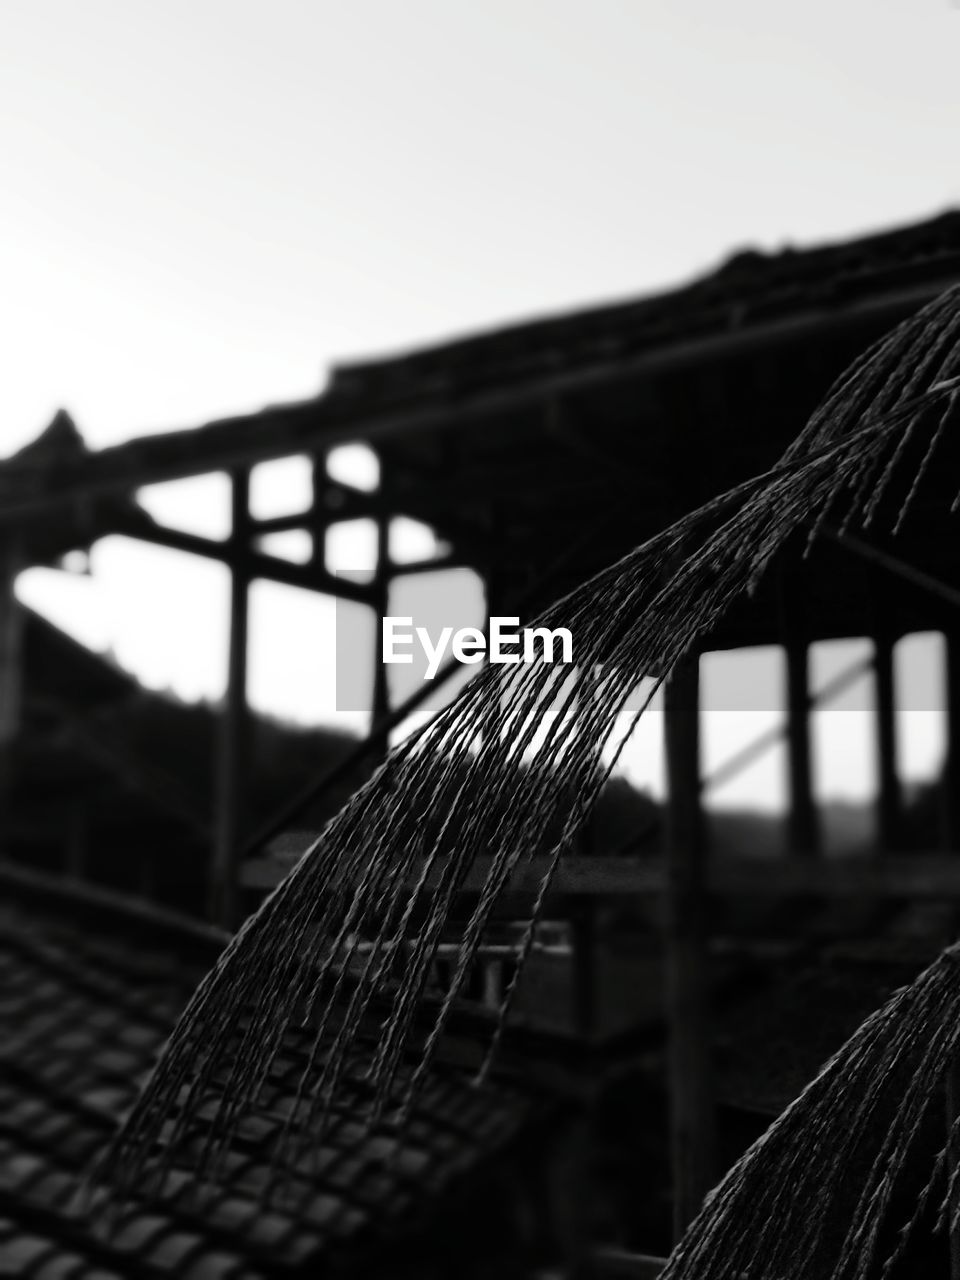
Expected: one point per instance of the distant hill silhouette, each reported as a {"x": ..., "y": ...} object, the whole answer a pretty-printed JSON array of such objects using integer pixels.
[{"x": 121, "y": 779}]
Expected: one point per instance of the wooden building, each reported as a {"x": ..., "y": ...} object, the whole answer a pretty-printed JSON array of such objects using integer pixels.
[{"x": 539, "y": 454}]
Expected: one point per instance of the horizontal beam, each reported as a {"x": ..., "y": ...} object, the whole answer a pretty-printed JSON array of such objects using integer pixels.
[
  {"x": 896, "y": 566},
  {"x": 304, "y": 426},
  {"x": 618, "y": 1264},
  {"x": 914, "y": 875},
  {"x": 283, "y": 524},
  {"x": 339, "y": 502},
  {"x": 255, "y": 564},
  {"x": 434, "y": 565},
  {"x": 77, "y": 894}
]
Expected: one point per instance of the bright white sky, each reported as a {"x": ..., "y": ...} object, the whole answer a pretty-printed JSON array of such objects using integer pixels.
[{"x": 207, "y": 202}]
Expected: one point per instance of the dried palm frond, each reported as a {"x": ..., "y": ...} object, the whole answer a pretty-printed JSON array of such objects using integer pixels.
[{"x": 389, "y": 866}]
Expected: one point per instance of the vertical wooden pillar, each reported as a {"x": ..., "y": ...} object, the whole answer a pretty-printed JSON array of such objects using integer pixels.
[
  {"x": 950, "y": 843},
  {"x": 11, "y": 673},
  {"x": 380, "y": 703},
  {"x": 582, "y": 915},
  {"x": 691, "y": 1110},
  {"x": 583, "y": 921},
  {"x": 888, "y": 784},
  {"x": 803, "y": 828},
  {"x": 318, "y": 511},
  {"x": 950, "y": 778},
  {"x": 232, "y": 744}
]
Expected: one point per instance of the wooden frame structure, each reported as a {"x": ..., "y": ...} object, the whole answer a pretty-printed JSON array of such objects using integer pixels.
[{"x": 559, "y": 426}]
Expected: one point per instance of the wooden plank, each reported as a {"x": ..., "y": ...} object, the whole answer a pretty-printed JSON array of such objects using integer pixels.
[
  {"x": 691, "y": 1102},
  {"x": 619, "y": 1264},
  {"x": 917, "y": 875},
  {"x": 231, "y": 761}
]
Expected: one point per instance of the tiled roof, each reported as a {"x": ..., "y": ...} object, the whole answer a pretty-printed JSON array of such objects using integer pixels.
[
  {"x": 747, "y": 297},
  {"x": 82, "y": 1015},
  {"x": 750, "y": 290}
]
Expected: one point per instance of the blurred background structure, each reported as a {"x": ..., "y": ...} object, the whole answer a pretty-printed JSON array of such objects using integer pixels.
[
  {"x": 697, "y": 965},
  {"x": 205, "y": 203}
]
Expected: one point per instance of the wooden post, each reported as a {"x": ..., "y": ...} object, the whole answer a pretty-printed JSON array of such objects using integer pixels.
[
  {"x": 380, "y": 701},
  {"x": 950, "y": 776},
  {"x": 232, "y": 745},
  {"x": 11, "y": 673},
  {"x": 888, "y": 785},
  {"x": 583, "y": 921},
  {"x": 803, "y": 829},
  {"x": 582, "y": 916},
  {"x": 950, "y": 842},
  {"x": 691, "y": 1111},
  {"x": 317, "y": 520}
]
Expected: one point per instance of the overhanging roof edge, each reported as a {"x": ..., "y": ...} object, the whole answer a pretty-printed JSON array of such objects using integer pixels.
[{"x": 328, "y": 420}]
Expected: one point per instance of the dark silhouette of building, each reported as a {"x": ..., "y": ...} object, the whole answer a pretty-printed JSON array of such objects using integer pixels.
[{"x": 538, "y": 454}]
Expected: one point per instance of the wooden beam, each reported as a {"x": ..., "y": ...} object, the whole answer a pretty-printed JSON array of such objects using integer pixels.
[
  {"x": 803, "y": 828},
  {"x": 380, "y": 697},
  {"x": 379, "y": 734},
  {"x": 335, "y": 502},
  {"x": 372, "y": 745},
  {"x": 434, "y": 565},
  {"x": 301, "y": 427},
  {"x": 583, "y": 921},
  {"x": 233, "y": 730},
  {"x": 281, "y": 524},
  {"x": 950, "y": 775},
  {"x": 317, "y": 521},
  {"x": 618, "y": 1264},
  {"x": 921, "y": 875},
  {"x": 691, "y": 1103},
  {"x": 888, "y": 783},
  {"x": 11, "y": 641},
  {"x": 80, "y": 894},
  {"x": 248, "y": 563},
  {"x": 900, "y": 568},
  {"x": 11, "y": 670}
]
